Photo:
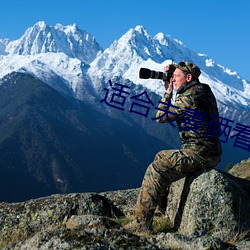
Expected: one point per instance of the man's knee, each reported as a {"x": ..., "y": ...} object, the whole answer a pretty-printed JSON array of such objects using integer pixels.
[
  {"x": 162, "y": 159},
  {"x": 164, "y": 154}
]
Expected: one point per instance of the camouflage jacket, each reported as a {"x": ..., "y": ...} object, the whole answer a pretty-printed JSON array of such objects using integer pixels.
[{"x": 196, "y": 114}]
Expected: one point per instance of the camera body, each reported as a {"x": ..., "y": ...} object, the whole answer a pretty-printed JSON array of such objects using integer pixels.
[{"x": 146, "y": 73}]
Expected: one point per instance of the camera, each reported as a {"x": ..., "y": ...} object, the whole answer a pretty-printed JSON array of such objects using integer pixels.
[{"x": 145, "y": 73}]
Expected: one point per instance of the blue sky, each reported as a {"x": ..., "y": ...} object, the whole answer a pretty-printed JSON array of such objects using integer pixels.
[{"x": 218, "y": 28}]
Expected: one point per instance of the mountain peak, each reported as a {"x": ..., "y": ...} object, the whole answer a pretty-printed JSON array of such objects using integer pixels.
[
  {"x": 69, "y": 28},
  {"x": 140, "y": 29},
  {"x": 41, "y": 24},
  {"x": 166, "y": 39},
  {"x": 133, "y": 48},
  {"x": 42, "y": 38}
]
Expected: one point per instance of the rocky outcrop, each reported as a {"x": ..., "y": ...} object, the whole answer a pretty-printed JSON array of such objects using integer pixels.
[
  {"x": 209, "y": 210},
  {"x": 211, "y": 202},
  {"x": 241, "y": 169}
]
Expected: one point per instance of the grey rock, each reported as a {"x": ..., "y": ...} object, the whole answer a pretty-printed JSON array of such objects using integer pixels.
[
  {"x": 241, "y": 169},
  {"x": 83, "y": 239},
  {"x": 124, "y": 199},
  {"x": 178, "y": 241},
  {"x": 209, "y": 210},
  {"x": 243, "y": 245},
  {"x": 90, "y": 221},
  {"x": 212, "y": 202},
  {"x": 20, "y": 220}
]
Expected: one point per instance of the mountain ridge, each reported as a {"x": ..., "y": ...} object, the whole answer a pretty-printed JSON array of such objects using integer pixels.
[
  {"x": 42, "y": 38},
  {"x": 135, "y": 49},
  {"x": 55, "y": 144},
  {"x": 90, "y": 125},
  {"x": 148, "y": 52}
]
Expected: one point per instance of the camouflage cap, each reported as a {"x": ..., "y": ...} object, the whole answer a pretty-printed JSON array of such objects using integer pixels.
[{"x": 189, "y": 68}]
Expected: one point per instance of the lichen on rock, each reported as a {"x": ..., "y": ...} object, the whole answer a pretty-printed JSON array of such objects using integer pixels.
[
  {"x": 211, "y": 202},
  {"x": 209, "y": 210}
]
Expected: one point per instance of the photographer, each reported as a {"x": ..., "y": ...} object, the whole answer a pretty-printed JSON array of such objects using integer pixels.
[{"x": 200, "y": 149}]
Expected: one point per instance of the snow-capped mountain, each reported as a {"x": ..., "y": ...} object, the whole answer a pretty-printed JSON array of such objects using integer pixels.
[
  {"x": 49, "y": 141},
  {"x": 137, "y": 49},
  {"x": 50, "y": 54},
  {"x": 72, "y": 55},
  {"x": 70, "y": 40},
  {"x": 64, "y": 73}
]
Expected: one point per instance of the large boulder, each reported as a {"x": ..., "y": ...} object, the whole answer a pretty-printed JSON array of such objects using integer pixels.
[
  {"x": 19, "y": 221},
  {"x": 210, "y": 202}
]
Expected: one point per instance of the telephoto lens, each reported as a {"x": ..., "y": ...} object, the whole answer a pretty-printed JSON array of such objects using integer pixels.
[{"x": 147, "y": 73}]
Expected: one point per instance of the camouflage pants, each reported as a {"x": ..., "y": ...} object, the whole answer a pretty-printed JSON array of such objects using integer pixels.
[{"x": 167, "y": 167}]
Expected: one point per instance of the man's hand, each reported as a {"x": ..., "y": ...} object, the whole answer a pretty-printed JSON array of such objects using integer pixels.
[{"x": 168, "y": 85}]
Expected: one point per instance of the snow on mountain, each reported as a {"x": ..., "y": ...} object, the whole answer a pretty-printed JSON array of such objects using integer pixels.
[
  {"x": 42, "y": 38},
  {"x": 63, "y": 73},
  {"x": 57, "y": 55},
  {"x": 3, "y": 43},
  {"x": 133, "y": 48},
  {"x": 73, "y": 56},
  {"x": 137, "y": 49}
]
